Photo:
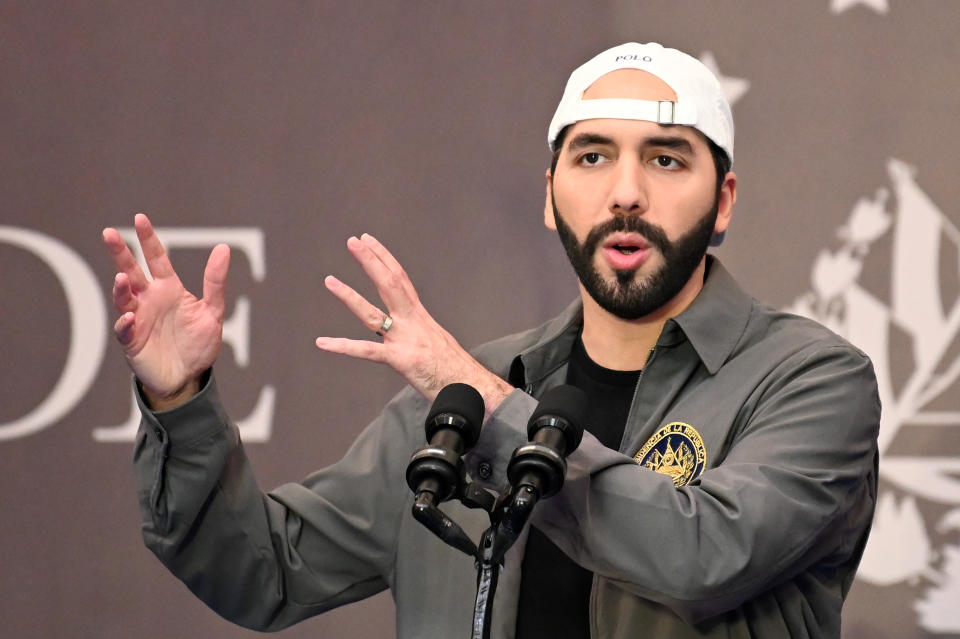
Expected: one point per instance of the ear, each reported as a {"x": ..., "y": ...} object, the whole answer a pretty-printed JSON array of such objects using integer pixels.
[
  {"x": 548, "y": 220},
  {"x": 728, "y": 197}
]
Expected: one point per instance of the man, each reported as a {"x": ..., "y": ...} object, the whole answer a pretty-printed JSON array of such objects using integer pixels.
[{"x": 727, "y": 481}]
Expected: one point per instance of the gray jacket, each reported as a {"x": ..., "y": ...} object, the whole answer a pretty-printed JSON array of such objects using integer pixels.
[{"x": 746, "y": 516}]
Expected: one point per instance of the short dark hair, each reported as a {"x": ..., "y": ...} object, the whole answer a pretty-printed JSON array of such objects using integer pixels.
[{"x": 721, "y": 161}]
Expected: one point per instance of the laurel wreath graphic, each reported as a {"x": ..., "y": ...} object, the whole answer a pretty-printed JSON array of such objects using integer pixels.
[{"x": 924, "y": 314}]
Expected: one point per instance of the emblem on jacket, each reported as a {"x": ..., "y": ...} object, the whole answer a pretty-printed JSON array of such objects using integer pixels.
[{"x": 676, "y": 450}]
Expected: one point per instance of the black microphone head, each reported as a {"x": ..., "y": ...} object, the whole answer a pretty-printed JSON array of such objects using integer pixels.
[
  {"x": 457, "y": 400},
  {"x": 570, "y": 405}
]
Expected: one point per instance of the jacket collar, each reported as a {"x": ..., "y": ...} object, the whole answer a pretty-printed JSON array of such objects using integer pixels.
[
  {"x": 551, "y": 350},
  {"x": 716, "y": 319},
  {"x": 713, "y": 323}
]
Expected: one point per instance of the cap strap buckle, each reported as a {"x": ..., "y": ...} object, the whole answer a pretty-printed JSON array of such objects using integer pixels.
[{"x": 666, "y": 111}]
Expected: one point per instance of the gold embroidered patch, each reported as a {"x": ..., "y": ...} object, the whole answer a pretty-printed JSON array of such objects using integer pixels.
[{"x": 676, "y": 450}]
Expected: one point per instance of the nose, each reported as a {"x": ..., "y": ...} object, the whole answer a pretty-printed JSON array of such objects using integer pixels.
[{"x": 628, "y": 195}]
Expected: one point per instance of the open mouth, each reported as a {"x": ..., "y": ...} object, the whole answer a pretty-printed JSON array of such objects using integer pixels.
[{"x": 626, "y": 251}]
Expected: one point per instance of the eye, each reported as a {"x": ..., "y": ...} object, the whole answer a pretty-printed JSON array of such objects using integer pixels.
[
  {"x": 592, "y": 158},
  {"x": 668, "y": 162}
]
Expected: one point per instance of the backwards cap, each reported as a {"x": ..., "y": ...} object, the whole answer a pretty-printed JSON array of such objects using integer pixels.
[{"x": 700, "y": 99}]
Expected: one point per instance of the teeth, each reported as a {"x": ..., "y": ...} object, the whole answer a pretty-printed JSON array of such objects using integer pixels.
[{"x": 626, "y": 250}]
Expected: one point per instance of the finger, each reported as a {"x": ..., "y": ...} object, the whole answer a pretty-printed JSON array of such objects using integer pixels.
[
  {"x": 382, "y": 253},
  {"x": 123, "y": 259},
  {"x": 388, "y": 283},
  {"x": 371, "y": 316},
  {"x": 215, "y": 278},
  {"x": 358, "y": 348},
  {"x": 153, "y": 251},
  {"x": 392, "y": 264},
  {"x": 123, "y": 328},
  {"x": 123, "y": 297}
]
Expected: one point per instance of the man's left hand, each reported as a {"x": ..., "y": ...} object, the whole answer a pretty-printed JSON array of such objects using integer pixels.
[{"x": 414, "y": 344}]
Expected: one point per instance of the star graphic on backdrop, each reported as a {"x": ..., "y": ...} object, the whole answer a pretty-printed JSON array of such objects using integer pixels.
[
  {"x": 839, "y": 6},
  {"x": 733, "y": 88}
]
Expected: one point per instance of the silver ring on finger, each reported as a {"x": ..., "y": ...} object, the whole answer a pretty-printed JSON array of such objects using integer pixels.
[{"x": 385, "y": 325}]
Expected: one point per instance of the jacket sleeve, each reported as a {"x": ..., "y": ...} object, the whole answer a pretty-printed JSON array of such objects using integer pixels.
[
  {"x": 797, "y": 487},
  {"x": 266, "y": 561}
]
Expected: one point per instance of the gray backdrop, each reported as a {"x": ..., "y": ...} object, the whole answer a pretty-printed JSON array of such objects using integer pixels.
[{"x": 285, "y": 127}]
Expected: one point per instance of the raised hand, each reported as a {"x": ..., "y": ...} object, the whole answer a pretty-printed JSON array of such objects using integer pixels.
[
  {"x": 169, "y": 337},
  {"x": 414, "y": 344}
]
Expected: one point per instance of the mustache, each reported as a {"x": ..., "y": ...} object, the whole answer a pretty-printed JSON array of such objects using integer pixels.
[{"x": 626, "y": 224}]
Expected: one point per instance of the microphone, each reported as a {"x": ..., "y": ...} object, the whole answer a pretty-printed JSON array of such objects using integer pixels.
[
  {"x": 536, "y": 470},
  {"x": 436, "y": 472},
  {"x": 452, "y": 427}
]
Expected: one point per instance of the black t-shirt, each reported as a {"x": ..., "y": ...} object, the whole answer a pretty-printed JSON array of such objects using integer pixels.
[{"x": 555, "y": 591}]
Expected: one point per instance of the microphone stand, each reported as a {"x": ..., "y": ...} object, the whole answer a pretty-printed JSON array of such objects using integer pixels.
[
  {"x": 507, "y": 516},
  {"x": 488, "y": 557},
  {"x": 508, "y": 512},
  {"x": 488, "y": 573}
]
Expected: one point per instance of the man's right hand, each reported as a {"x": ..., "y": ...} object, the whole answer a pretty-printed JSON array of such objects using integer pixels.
[{"x": 169, "y": 337}]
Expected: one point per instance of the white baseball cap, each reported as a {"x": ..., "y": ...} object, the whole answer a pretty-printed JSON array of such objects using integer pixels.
[{"x": 700, "y": 99}]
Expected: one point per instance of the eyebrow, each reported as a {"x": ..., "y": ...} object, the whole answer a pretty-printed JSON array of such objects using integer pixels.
[
  {"x": 587, "y": 139},
  {"x": 674, "y": 142}
]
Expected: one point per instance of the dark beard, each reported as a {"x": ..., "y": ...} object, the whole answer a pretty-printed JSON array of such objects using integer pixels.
[{"x": 629, "y": 298}]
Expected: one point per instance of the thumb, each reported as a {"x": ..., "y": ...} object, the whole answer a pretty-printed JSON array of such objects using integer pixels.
[{"x": 215, "y": 278}]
